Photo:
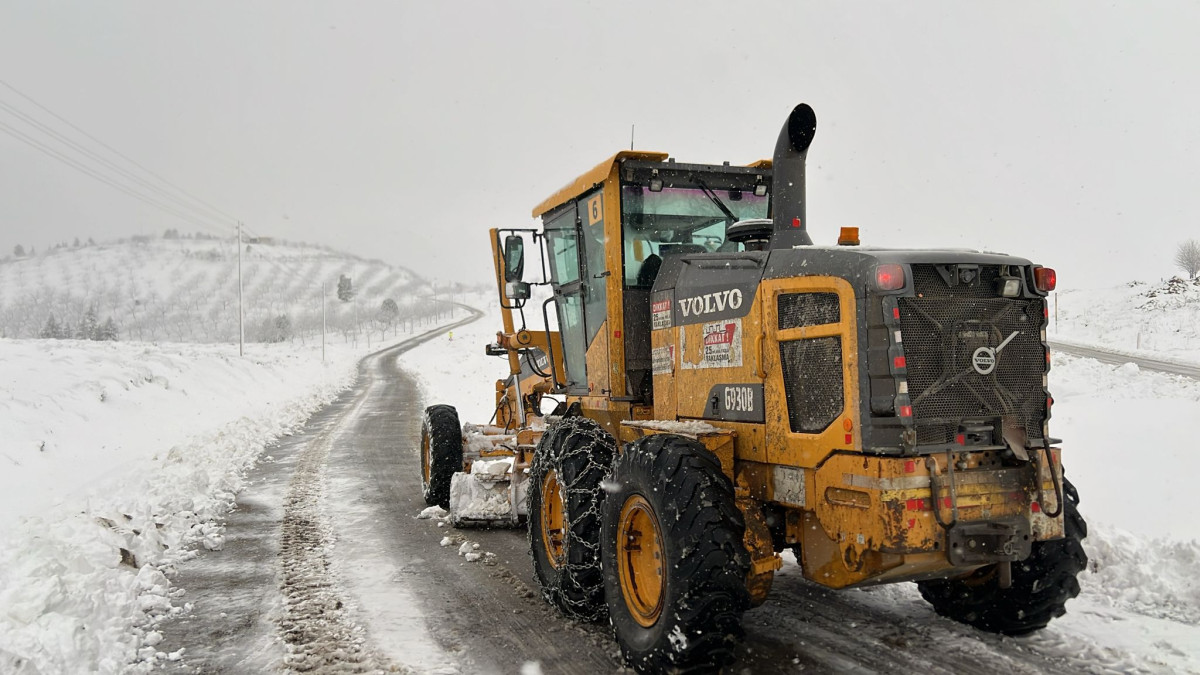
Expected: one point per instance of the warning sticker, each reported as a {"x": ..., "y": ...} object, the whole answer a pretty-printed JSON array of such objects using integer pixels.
[
  {"x": 660, "y": 314},
  {"x": 721, "y": 346},
  {"x": 662, "y": 360}
]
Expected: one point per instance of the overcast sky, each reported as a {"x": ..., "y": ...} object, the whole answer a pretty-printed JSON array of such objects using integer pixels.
[{"x": 1064, "y": 132}]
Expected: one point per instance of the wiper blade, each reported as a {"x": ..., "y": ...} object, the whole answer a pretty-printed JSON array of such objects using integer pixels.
[{"x": 717, "y": 200}]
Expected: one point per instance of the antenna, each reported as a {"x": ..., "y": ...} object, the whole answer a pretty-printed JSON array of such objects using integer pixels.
[{"x": 632, "y": 128}]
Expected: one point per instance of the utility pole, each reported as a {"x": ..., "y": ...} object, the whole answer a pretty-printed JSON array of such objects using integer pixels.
[
  {"x": 322, "y": 322},
  {"x": 241, "y": 312}
]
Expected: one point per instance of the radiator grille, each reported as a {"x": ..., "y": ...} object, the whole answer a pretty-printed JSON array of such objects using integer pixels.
[
  {"x": 812, "y": 380},
  {"x": 797, "y": 310},
  {"x": 943, "y": 329}
]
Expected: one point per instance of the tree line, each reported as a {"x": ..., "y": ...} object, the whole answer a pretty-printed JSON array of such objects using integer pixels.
[{"x": 88, "y": 329}]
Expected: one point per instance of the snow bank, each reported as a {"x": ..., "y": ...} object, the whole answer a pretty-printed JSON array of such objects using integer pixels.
[
  {"x": 1128, "y": 444},
  {"x": 119, "y": 459},
  {"x": 1154, "y": 577}
]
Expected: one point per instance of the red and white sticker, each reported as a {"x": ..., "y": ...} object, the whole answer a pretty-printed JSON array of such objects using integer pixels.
[
  {"x": 662, "y": 360},
  {"x": 660, "y": 314},
  {"x": 721, "y": 346}
]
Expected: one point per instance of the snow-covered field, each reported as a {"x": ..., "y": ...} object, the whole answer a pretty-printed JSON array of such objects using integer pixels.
[
  {"x": 120, "y": 460},
  {"x": 1159, "y": 319}
]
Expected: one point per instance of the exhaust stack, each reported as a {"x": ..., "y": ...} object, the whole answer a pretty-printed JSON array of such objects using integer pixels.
[{"x": 789, "y": 227}]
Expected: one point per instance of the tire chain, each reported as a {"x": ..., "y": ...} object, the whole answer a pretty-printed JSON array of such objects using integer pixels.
[{"x": 579, "y": 592}]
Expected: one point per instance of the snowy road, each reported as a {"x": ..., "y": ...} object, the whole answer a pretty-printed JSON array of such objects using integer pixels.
[
  {"x": 1119, "y": 358},
  {"x": 326, "y": 569}
]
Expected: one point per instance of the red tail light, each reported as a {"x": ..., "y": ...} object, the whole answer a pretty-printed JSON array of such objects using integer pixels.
[
  {"x": 889, "y": 277},
  {"x": 1045, "y": 279}
]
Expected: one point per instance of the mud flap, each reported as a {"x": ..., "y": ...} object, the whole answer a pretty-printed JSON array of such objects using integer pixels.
[{"x": 987, "y": 542}]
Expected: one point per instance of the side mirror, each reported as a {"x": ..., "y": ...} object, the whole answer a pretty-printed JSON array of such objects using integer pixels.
[{"x": 514, "y": 258}]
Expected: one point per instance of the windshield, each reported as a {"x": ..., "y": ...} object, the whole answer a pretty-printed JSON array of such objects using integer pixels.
[{"x": 675, "y": 221}]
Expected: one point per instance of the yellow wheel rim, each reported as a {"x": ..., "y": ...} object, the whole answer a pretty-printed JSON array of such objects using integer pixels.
[
  {"x": 553, "y": 525},
  {"x": 640, "y": 561}
]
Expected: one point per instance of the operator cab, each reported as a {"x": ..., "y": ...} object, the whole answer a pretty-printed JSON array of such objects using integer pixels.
[
  {"x": 670, "y": 210},
  {"x": 605, "y": 237}
]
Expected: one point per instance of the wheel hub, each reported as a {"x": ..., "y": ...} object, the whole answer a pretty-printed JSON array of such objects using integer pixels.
[
  {"x": 552, "y": 512},
  {"x": 640, "y": 561}
]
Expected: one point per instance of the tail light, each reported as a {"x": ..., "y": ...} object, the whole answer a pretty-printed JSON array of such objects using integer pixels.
[
  {"x": 1045, "y": 279},
  {"x": 889, "y": 277}
]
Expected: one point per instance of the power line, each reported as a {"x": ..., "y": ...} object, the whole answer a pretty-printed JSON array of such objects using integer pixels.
[
  {"x": 115, "y": 151},
  {"x": 51, "y": 152},
  {"x": 109, "y": 163}
]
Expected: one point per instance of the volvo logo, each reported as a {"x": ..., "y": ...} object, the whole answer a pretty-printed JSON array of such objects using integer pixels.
[
  {"x": 984, "y": 358},
  {"x": 711, "y": 302}
]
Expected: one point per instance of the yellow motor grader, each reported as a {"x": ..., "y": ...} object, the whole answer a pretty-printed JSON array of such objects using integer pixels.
[{"x": 704, "y": 387}]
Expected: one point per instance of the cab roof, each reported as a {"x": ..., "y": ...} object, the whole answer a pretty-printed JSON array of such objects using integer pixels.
[{"x": 601, "y": 172}]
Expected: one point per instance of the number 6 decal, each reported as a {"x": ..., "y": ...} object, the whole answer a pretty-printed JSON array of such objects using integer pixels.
[{"x": 595, "y": 211}]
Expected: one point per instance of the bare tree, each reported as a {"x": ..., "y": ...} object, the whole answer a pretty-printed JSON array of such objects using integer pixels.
[{"x": 1187, "y": 257}]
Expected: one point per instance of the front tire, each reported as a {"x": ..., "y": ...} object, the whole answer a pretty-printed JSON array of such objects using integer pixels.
[
  {"x": 441, "y": 453},
  {"x": 675, "y": 564},
  {"x": 1041, "y": 584},
  {"x": 565, "y": 495}
]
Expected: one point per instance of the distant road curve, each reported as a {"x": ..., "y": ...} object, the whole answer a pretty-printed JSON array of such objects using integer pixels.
[{"x": 1120, "y": 358}]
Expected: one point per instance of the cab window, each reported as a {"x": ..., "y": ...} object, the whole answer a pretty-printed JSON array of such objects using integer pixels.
[{"x": 677, "y": 221}]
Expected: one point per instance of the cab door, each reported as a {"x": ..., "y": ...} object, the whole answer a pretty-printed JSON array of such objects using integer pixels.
[
  {"x": 563, "y": 248},
  {"x": 575, "y": 242}
]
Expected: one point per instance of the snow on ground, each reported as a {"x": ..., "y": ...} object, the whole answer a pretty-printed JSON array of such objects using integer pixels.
[
  {"x": 1128, "y": 444},
  {"x": 1160, "y": 320},
  {"x": 119, "y": 459}
]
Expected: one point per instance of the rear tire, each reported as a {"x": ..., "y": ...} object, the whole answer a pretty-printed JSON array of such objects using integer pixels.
[
  {"x": 441, "y": 453},
  {"x": 564, "y": 515},
  {"x": 675, "y": 564},
  {"x": 1041, "y": 584}
]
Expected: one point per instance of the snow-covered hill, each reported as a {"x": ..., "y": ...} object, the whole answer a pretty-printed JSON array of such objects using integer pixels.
[
  {"x": 1161, "y": 319},
  {"x": 185, "y": 289}
]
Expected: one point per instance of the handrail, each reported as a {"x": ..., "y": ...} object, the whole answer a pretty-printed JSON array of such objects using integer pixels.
[{"x": 550, "y": 343}]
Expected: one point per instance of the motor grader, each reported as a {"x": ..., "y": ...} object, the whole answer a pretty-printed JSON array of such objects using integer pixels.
[{"x": 704, "y": 388}]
